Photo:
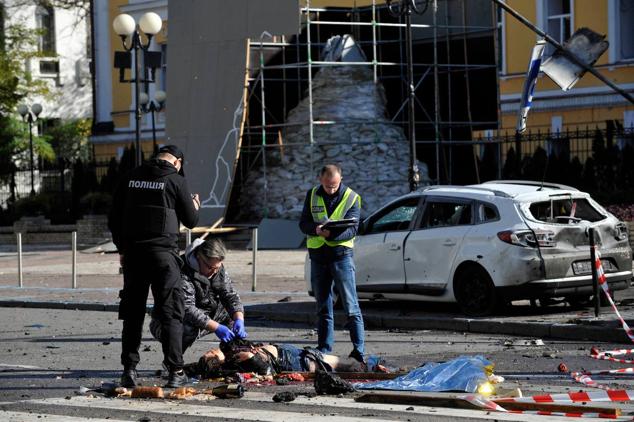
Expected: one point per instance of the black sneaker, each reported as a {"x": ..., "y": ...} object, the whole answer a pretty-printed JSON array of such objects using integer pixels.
[
  {"x": 128, "y": 378},
  {"x": 356, "y": 355},
  {"x": 177, "y": 379}
]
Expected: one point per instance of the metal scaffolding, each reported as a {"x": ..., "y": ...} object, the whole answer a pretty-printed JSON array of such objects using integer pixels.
[{"x": 444, "y": 68}]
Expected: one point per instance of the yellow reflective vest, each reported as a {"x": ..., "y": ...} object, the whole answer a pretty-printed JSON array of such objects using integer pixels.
[{"x": 320, "y": 215}]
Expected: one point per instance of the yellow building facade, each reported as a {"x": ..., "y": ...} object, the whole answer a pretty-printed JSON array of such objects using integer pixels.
[
  {"x": 115, "y": 119},
  {"x": 590, "y": 103}
]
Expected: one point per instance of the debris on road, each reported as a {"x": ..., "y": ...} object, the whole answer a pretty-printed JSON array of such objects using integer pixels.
[
  {"x": 284, "y": 397},
  {"x": 147, "y": 393},
  {"x": 182, "y": 393},
  {"x": 520, "y": 342},
  {"x": 329, "y": 383}
]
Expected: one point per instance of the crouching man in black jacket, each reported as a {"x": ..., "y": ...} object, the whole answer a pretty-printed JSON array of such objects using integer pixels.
[
  {"x": 212, "y": 305},
  {"x": 147, "y": 209}
]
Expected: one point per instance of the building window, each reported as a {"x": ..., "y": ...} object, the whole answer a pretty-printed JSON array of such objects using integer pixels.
[
  {"x": 163, "y": 82},
  {"x": 558, "y": 21},
  {"x": 501, "y": 41},
  {"x": 45, "y": 20},
  {"x": 626, "y": 29},
  {"x": 628, "y": 119},
  {"x": 557, "y": 144}
]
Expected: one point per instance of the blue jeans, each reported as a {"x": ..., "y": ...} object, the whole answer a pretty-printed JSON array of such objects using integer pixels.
[{"x": 325, "y": 276}]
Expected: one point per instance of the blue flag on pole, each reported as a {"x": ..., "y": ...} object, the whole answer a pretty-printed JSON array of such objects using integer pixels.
[{"x": 529, "y": 84}]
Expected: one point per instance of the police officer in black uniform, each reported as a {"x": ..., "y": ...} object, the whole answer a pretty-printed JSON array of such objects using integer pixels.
[{"x": 144, "y": 221}]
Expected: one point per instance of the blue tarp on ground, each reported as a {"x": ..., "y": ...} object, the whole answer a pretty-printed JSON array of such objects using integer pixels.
[{"x": 464, "y": 373}]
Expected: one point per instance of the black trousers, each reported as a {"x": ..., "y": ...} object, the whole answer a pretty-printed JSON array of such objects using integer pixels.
[
  {"x": 160, "y": 271},
  {"x": 190, "y": 332}
]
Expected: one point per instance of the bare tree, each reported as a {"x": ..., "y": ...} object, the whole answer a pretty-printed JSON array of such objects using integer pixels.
[{"x": 81, "y": 6}]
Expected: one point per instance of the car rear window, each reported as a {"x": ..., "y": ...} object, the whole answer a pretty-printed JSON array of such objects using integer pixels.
[{"x": 565, "y": 211}]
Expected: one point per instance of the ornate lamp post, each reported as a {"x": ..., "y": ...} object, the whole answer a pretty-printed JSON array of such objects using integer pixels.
[
  {"x": 30, "y": 115},
  {"x": 406, "y": 8},
  {"x": 125, "y": 26},
  {"x": 153, "y": 106}
]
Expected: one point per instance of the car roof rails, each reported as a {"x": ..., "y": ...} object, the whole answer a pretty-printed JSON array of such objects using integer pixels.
[
  {"x": 532, "y": 183},
  {"x": 469, "y": 187}
]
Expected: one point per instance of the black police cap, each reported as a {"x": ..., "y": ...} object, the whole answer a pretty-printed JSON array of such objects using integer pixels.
[{"x": 176, "y": 152}]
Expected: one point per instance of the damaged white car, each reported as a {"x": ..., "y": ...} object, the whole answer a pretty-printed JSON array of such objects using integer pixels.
[{"x": 488, "y": 244}]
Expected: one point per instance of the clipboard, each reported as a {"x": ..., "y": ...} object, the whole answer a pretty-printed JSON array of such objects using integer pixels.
[{"x": 340, "y": 224}]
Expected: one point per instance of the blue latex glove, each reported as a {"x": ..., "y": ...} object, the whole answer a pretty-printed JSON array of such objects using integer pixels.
[
  {"x": 223, "y": 333},
  {"x": 238, "y": 328}
]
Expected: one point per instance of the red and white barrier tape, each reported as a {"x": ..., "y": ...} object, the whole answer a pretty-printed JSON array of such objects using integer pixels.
[
  {"x": 584, "y": 377},
  {"x": 578, "y": 397},
  {"x": 608, "y": 395},
  {"x": 568, "y": 414},
  {"x": 481, "y": 401},
  {"x": 489, "y": 404}
]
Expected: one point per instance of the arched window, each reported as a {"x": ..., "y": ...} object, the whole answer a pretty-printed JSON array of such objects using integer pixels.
[{"x": 45, "y": 19}]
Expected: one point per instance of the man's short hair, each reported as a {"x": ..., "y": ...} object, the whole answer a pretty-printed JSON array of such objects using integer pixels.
[
  {"x": 212, "y": 248},
  {"x": 330, "y": 170}
]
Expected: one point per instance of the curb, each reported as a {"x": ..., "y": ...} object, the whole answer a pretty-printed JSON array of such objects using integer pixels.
[
  {"x": 374, "y": 321},
  {"x": 599, "y": 333},
  {"x": 75, "y": 306}
]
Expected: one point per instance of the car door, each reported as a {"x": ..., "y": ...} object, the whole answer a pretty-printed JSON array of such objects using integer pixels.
[
  {"x": 379, "y": 251},
  {"x": 433, "y": 244}
]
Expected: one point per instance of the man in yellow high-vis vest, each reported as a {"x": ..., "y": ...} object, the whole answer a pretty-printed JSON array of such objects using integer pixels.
[{"x": 331, "y": 260}]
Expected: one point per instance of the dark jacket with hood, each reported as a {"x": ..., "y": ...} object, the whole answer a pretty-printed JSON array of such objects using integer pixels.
[
  {"x": 207, "y": 298},
  {"x": 148, "y": 206}
]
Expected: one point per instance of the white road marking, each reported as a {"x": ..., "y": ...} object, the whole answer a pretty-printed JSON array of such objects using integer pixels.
[
  {"x": 11, "y": 416},
  {"x": 439, "y": 412},
  {"x": 188, "y": 408},
  {"x": 8, "y": 365}
]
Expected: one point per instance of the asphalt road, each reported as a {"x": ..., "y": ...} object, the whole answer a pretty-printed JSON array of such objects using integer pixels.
[{"x": 46, "y": 355}]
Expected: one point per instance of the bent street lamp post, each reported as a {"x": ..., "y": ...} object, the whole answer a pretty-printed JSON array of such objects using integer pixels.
[
  {"x": 30, "y": 115},
  {"x": 153, "y": 106},
  {"x": 125, "y": 26},
  {"x": 405, "y": 8}
]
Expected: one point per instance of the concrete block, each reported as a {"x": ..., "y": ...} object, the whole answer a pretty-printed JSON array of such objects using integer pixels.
[{"x": 585, "y": 332}]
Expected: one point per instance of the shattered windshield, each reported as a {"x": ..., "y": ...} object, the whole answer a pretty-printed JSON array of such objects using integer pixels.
[{"x": 565, "y": 211}]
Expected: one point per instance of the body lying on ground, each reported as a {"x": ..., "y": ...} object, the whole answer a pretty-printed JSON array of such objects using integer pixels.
[{"x": 270, "y": 359}]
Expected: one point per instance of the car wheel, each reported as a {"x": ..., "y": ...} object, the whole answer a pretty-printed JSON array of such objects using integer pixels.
[{"x": 475, "y": 292}]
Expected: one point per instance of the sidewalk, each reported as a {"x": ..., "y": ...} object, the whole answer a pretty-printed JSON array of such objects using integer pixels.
[{"x": 281, "y": 296}]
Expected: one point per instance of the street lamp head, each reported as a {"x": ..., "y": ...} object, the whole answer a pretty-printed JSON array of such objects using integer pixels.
[
  {"x": 160, "y": 96},
  {"x": 36, "y": 109},
  {"x": 143, "y": 98},
  {"x": 150, "y": 23},
  {"x": 124, "y": 24},
  {"x": 23, "y": 109}
]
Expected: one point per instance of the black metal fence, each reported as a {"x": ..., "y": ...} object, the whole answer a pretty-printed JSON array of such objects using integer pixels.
[
  {"x": 61, "y": 190},
  {"x": 599, "y": 161}
]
